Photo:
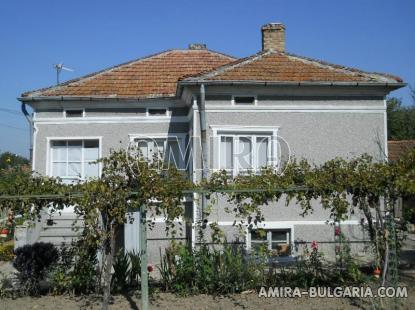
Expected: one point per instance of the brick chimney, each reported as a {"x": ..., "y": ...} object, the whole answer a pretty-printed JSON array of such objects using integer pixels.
[{"x": 273, "y": 37}]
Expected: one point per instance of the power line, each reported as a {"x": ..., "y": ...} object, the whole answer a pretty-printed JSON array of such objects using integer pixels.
[
  {"x": 12, "y": 127},
  {"x": 10, "y": 111}
]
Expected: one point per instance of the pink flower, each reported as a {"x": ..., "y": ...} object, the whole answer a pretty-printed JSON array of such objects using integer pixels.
[
  {"x": 314, "y": 245},
  {"x": 337, "y": 231}
]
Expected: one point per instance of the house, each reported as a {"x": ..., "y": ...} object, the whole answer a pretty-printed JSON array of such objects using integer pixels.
[{"x": 227, "y": 113}]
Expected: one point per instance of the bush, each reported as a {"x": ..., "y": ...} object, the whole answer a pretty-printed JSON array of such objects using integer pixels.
[
  {"x": 127, "y": 271},
  {"x": 7, "y": 251},
  {"x": 76, "y": 270},
  {"x": 210, "y": 271},
  {"x": 120, "y": 278},
  {"x": 32, "y": 263}
]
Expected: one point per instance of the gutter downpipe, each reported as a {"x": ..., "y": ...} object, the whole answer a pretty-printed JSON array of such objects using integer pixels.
[
  {"x": 30, "y": 121},
  {"x": 203, "y": 146}
]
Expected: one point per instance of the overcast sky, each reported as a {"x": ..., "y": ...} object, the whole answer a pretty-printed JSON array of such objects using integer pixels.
[{"x": 91, "y": 35}]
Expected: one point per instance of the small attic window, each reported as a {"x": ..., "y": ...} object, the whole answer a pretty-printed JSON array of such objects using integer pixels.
[
  {"x": 74, "y": 113},
  {"x": 157, "y": 112},
  {"x": 244, "y": 100}
]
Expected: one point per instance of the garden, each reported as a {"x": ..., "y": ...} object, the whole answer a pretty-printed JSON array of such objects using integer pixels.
[{"x": 93, "y": 273}]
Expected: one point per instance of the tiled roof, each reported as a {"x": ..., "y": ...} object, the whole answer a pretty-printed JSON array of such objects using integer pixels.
[
  {"x": 398, "y": 148},
  {"x": 273, "y": 66},
  {"x": 158, "y": 75},
  {"x": 149, "y": 77}
]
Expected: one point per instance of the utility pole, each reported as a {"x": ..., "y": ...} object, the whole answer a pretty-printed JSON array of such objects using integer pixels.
[{"x": 143, "y": 256}]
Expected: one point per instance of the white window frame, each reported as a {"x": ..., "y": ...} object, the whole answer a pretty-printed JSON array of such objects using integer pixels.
[
  {"x": 49, "y": 157},
  {"x": 181, "y": 139},
  {"x": 254, "y": 132},
  {"x": 255, "y": 103},
  {"x": 269, "y": 227},
  {"x": 74, "y": 109}
]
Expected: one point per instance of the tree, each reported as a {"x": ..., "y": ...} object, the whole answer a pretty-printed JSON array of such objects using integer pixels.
[
  {"x": 106, "y": 202},
  {"x": 401, "y": 120},
  {"x": 10, "y": 160}
]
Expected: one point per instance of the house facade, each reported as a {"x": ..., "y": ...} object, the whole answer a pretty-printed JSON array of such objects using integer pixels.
[{"x": 209, "y": 111}]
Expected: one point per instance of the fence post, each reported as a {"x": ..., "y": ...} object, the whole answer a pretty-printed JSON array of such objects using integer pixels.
[{"x": 143, "y": 256}]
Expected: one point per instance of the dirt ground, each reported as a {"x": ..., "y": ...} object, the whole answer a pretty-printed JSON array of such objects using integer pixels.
[{"x": 169, "y": 301}]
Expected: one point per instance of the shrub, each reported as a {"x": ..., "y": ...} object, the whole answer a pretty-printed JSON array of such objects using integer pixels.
[
  {"x": 121, "y": 276},
  {"x": 6, "y": 251},
  {"x": 32, "y": 262},
  {"x": 210, "y": 271},
  {"x": 135, "y": 271},
  {"x": 127, "y": 271},
  {"x": 76, "y": 270}
]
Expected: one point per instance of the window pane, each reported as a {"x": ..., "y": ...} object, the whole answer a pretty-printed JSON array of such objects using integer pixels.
[
  {"x": 279, "y": 236},
  {"x": 91, "y": 170},
  {"x": 245, "y": 155},
  {"x": 74, "y": 150},
  {"x": 59, "y": 151},
  {"x": 226, "y": 153},
  {"x": 244, "y": 100},
  {"x": 257, "y": 235},
  {"x": 158, "y": 147},
  {"x": 143, "y": 148},
  {"x": 262, "y": 151},
  {"x": 74, "y": 169},
  {"x": 173, "y": 152},
  {"x": 157, "y": 112},
  {"x": 74, "y": 113},
  {"x": 91, "y": 150},
  {"x": 59, "y": 169}
]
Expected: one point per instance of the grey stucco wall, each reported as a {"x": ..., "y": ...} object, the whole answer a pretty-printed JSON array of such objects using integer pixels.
[
  {"x": 114, "y": 135},
  {"x": 316, "y": 136}
]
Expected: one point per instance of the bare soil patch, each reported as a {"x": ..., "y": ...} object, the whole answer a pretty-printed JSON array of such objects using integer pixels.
[{"x": 170, "y": 301}]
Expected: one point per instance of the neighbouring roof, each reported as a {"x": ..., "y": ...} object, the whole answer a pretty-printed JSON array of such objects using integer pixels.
[
  {"x": 158, "y": 75},
  {"x": 149, "y": 77},
  {"x": 273, "y": 66},
  {"x": 398, "y": 148}
]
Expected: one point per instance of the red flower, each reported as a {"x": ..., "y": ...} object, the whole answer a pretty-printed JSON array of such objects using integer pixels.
[
  {"x": 150, "y": 268},
  {"x": 314, "y": 245},
  {"x": 337, "y": 231}
]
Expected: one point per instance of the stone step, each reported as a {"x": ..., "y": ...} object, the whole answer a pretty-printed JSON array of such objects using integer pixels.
[
  {"x": 64, "y": 216},
  {"x": 62, "y": 224},
  {"x": 59, "y": 231},
  {"x": 57, "y": 240}
]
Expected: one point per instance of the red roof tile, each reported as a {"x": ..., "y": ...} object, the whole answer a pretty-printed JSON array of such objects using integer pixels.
[
  {"x": 158, "y": 75},
  {"x": 398, "y": 148},
  {"x": 149, "y": 77},
  {"x": 273, "y": 66}
]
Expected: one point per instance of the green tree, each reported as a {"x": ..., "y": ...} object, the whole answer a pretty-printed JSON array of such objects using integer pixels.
[
  {"x": 401, "y": 120},
  {"x": 10, "y": 160}
]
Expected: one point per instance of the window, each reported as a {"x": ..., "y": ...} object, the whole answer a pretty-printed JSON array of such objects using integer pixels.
[
  {"x": 241, "y": 153},
  {"x": 244, "y": 100},
  {"x": 71, "y": 160},
  {"x": 170, "y": 149},
  {"x": 277, "y": 241},
  {"x": 74, "y": 113},
  {"x": 157, "y": 112}
]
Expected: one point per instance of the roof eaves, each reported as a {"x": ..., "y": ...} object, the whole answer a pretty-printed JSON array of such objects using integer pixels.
[
  {"x": 382, "y": 77},
  {"x": 291, "y": 83},
  {"x": 94, "y": 98}
]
